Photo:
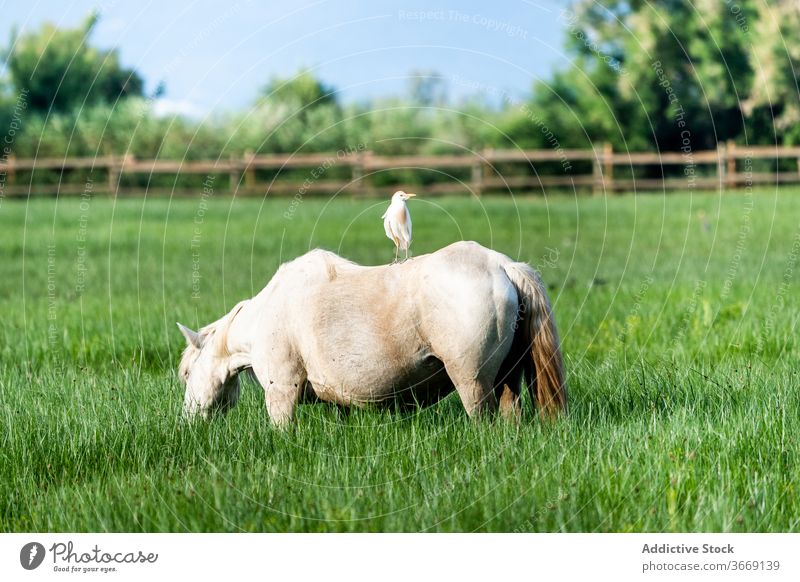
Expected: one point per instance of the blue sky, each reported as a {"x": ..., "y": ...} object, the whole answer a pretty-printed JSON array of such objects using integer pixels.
[{"x": 214, "y": 56}]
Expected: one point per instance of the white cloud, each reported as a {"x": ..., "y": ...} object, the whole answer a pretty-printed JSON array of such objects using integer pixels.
[{"x": 183, "y": 107}]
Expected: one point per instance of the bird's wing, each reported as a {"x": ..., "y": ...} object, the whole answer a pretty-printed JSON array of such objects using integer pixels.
[
  {"x": 401, "y": 226},
  {"x": 387, "y": 226}
]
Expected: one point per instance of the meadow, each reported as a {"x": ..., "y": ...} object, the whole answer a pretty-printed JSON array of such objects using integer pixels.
[{"x": 678, "y": 315}]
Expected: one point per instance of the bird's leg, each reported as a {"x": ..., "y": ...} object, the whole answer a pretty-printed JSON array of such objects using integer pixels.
[
  {"x": 406, "y": 254},
  {"x": 396, "y": 254}
]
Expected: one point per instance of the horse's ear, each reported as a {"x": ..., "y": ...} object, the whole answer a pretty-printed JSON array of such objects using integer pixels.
[{"x": 192, "y": 337}]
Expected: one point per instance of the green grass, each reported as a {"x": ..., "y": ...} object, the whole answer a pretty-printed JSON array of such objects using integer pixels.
[{"x": 678, "y": 316}]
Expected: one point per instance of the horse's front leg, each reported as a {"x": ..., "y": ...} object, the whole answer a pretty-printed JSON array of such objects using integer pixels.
[
  {"x": 282, "y": 399},
  {"x": 283, "y": 387}
]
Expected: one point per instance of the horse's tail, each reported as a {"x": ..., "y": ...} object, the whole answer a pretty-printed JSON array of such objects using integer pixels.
[{"x": 538, "y": 333}]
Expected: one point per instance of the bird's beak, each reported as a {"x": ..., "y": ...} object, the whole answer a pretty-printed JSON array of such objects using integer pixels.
[{"x": 411, "y": 195}]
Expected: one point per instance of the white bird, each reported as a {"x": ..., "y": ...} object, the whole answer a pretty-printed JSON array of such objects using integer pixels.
[{"x": 397, "y": 222}]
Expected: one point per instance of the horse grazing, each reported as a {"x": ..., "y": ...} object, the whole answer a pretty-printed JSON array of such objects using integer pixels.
[{"x": 464, "y": 318}]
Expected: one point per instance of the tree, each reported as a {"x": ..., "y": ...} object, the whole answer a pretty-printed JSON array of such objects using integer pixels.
[
  {"x": 298, "y": 113},
  {"x": 302, "y": 92},
  {"x": 61, "y": 71},
  {"x": 775, "y": 99},
  {"x": 646, "y": 72},
  {"x": 427, "y": 88}
]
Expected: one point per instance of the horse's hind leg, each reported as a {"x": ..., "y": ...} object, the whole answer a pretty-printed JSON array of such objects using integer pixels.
[
  {"x": 510, "y": 403},
  {"x": 508, "y": 383},
  {"x": 508, "y": 386}
]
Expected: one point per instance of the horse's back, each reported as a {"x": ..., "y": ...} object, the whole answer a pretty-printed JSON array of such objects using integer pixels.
[
  {"x": 346, "y": 329},
  {"x": 453, "y": 306},
  {"x": 460, "y": 290}
]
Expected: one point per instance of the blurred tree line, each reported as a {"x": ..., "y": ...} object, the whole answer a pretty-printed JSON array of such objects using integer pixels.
[
  {"x": 643, "y": 73},
  {"x": 647, "y": 72}
]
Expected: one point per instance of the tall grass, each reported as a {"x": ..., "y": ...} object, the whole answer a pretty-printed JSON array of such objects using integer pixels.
[{"x": 678, "y": 315}]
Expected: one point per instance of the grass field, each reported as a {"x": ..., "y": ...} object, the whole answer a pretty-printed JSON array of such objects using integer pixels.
[{"x": 678, "y": 316}]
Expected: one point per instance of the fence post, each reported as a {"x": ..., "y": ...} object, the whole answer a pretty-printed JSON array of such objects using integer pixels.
[
  {"x": 126, "y": 163},
  {"x": 363, "y": 171},
  {"x": 233, "y": 174},
  {"x": 730, "y": 153},
  {"x": 597, "y": 172},
  {"x": 357, "y": 172},
  {"x": 476, "y": 181},
  {"x": 249, "y": 170},
  {"x": 608, "y": 167},
  {"x": 722, "y": 164},
  {"x": 488, "y": 168},
  {"x": 11, "y": 171},
  {"x": 113, "y": 175}
]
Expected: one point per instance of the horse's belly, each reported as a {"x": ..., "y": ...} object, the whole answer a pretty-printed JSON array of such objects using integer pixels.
[{"x": 421, "y": 384}]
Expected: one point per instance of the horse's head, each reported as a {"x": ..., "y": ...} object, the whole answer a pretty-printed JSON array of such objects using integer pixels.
[{"x": 205, "y": 368}]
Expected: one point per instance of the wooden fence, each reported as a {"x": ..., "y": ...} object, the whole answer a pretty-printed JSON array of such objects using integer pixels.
[{"x": 729, "y": 166}]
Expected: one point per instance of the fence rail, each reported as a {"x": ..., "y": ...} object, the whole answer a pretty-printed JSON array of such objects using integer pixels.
[{"x": 722, "y": 169}]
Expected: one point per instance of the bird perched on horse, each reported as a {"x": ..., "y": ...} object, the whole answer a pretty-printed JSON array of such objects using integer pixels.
[{"x": 397, "y": 223}]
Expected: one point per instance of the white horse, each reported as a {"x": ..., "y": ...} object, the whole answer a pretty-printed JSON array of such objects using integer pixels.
[{"x": 464, "y": 318}]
